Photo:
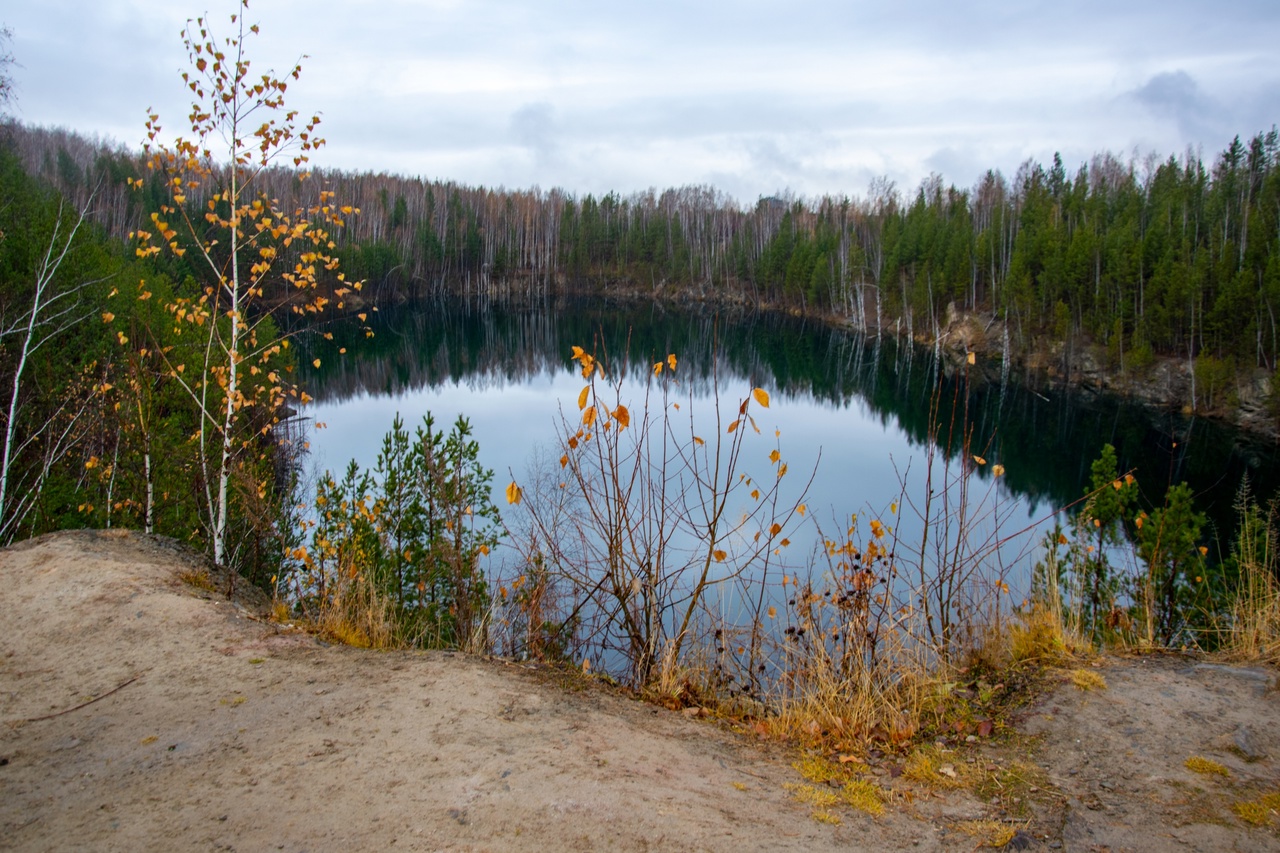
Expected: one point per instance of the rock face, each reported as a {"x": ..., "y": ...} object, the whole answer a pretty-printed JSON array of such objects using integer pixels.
[{"x": 1165, "y": 383}]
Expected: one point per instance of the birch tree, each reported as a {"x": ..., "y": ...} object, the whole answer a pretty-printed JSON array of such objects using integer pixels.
[
  {"x": 53, "y": 307},
  {"x": 249, "y": 252}
]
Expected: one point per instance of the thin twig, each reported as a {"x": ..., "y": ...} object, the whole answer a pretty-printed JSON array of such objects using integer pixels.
[{"x": 84, "y": 704}]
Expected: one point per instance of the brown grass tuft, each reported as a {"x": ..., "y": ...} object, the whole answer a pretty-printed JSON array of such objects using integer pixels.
[
  {"x": 199, "y": 578},
  {"x": 989, "y": 833},
  {"x": 1087, "y": 679}
]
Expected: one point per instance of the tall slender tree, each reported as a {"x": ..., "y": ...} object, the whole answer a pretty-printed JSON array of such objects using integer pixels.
[{"x": 246, "y": 248}]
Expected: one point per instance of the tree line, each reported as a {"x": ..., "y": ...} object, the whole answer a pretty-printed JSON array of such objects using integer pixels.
[{"x": 1146, "y": 257}]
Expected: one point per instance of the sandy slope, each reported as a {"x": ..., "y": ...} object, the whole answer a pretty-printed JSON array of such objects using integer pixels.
[{"x": 223, "y": 732}]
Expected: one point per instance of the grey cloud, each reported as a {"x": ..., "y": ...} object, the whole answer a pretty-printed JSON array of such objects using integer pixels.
[
  {"x": 1176, "y": 96},
  {"x": 533, "y": 126}
]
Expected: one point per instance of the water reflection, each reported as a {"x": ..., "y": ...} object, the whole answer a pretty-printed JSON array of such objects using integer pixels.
[
  {"x": 881, "y": 424},
  {"x": 868, "y": 403}
]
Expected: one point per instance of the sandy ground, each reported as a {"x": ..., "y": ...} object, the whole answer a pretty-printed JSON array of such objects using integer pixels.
[{"x": 138, "y": 712}]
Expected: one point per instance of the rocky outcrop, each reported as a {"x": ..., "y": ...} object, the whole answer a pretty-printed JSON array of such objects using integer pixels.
[{"x": 1166, "y": 383}]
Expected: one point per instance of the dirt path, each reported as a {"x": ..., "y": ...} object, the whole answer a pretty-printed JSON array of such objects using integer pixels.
[
  {"x": 226, "y": 733},
  {"x": 1118, "y": 756}
]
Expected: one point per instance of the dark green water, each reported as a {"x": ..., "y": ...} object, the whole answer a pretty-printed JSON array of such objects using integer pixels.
[{"x": 867, "y": 403}]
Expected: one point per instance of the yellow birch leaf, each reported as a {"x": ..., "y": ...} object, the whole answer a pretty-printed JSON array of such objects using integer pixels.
[
  {"x": 762, "y": 397},
  {"x": 773, "y": 612},
  {"x": 564, "y": 460},
  {"x": 972, "y": 358},
  {"x": 514, "y": 493},
  {"x": 589, "y": 416},
  {"x": 733, "y": 426},
  {"x": 582, "y": 398},
  {"x": 719, "y": 555},
  {"x": 623, "y": 417},
  {"x": 997, "y": 470},
  {"x": 698, "y": 441},
  {"x": 801, "y": 509},
  {"x": 979, "y": 460},
  {"x": 775, "y": 529},
  {"x": 657, "y": 368},
  {"x": 775, "y": 456},
  {"x": 315, "y": 363},
  {"x": 671, "y": 362}
]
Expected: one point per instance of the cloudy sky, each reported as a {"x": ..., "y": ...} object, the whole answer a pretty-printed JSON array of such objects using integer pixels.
[{"x": 753, "y": 96}]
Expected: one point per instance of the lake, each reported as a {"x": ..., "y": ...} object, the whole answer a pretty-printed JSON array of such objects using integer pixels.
[{"x": 876, "y": 422}]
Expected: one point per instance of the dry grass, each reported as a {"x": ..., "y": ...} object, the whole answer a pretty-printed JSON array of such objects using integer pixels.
[
  {"x": 687, "y": 684},
  {"x": 1259, "y": 812},
  {"x": 936, "y": 767},
  {"x": 1038, "y": 635},
  {"x": 1087, "y": 679},
  {"x": 865, "y": 796},
  {"x": 1205, "y": 766},
  {"x": 860, "y": 794},
  {"x": 356, "y": 614},
  {"x": 820, "y": 771},
  {"x": 1012, "y": 781},
  {"x": 199, "y": 578},
  {"x": 822, "y": 798},
  {"x": 1254, "y": 632},
  {"x": 989, "y": 833},
  {"x": 836, "y": 783}
]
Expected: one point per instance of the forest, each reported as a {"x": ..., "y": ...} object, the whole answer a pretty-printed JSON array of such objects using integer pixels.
[{"x": 1146, "y": 257}]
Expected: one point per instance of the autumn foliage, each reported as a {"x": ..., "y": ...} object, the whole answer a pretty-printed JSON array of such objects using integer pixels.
[{"x": 246, "y": 253}]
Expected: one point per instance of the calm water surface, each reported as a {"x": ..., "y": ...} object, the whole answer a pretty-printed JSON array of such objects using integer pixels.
[{"x": 854, "y": 411}]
